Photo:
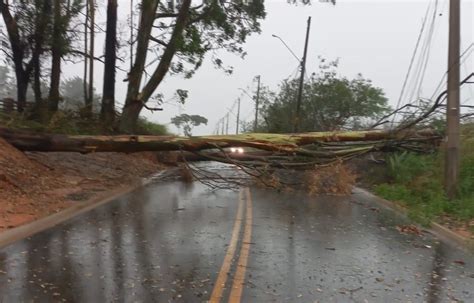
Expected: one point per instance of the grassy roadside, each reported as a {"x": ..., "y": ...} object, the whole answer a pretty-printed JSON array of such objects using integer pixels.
[
  {"x": 416, "y": 181},
  {"x": 72, "y": 123}
]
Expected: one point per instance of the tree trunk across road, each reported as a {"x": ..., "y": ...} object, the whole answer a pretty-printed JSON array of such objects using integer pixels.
[{"x": 284, "y": 143}]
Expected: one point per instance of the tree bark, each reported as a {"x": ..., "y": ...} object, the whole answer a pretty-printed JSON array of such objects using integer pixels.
[
  {"x": 281, "y": 143},
  {"x": 169, "y": 52},
  {"x": 86, "y": 50},
  {"x": 22, "y": 81},
  {"x": 135, "y": 100},
  {"x": 129, "y": 117},
  {"x": 108, "y": 95},
  {"x": 90, "y": 99},
  {"x": 42, "y": 17},
  {"x": 132, "y": 103},
  {"x": 56, "y": 54},
  {"x": 37, "y": 80}
]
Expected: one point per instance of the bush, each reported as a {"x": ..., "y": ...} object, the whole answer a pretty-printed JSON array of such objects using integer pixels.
[
  {"x": 405, "y": 167},
  {"x": 417, "y": 182},
  {"x": 61, "y": 122},
  {"x": 145, "y": 127},
  {"x": 73, "y": 123}
]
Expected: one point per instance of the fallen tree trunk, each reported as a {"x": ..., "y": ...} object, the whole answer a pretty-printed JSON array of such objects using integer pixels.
[{"x": 326, "y": 143}]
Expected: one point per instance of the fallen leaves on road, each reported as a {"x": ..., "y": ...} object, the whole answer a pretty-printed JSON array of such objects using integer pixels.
[
  {"x": 335, "y": 179},
  {"x": 460, "y": 262},
  {"x": 409, "y": 229}
]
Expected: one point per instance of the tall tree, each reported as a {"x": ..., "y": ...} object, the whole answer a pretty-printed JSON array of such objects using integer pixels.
[
  {"x": 86, "y": 51},
  {"x": 56, "y": 55},
  {"x": 62, "y": 40},
  {"x": 31, "y": 37},
  {"x": 133, "y": 104},
  {"x": 187, "y": 122},
  {"x": 42, "y": 22},
  {"x": 107, "y": 110},
  {"x": 19, "y": 52},
  {"x": 185, "y": 33},
  {"x": 329, "y": 102},
  {"x": 90, "y": 93}
]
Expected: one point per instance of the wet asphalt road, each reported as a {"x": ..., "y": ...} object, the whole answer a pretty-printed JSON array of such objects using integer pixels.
[{"x": 175, "y": 242}]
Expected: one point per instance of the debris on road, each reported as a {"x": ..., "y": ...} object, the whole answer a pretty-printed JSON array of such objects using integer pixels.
[{"x": 409, "y": 229}]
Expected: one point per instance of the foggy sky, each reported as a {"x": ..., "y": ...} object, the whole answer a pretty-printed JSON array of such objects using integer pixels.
[{"x": 375, "y": 38}]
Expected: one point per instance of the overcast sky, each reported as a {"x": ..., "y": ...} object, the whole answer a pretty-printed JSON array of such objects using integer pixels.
[{"x": 375, "y": 38}]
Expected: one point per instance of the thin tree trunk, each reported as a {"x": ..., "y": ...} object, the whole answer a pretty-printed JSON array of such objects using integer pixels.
[
  {"x": 86, "y": 50},
  {"x": 42, "y": 18},
  {"x": 37, "y": 81},
  {"x": 90, "y": 100},
  {"x": 108, "y": 95},
  {"x": 56, "y": 55},
  {"x": 131, "y": 33},
  {"x": 22, "y": 87}
]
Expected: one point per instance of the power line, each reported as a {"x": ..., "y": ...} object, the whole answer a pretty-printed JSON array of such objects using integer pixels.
[
  {"x": 294, "y": 73},
  {"x": 471, "y": 91},
  {"x": 412, "y": 59},
  {"x": 467, "y": 52},
  {"x": 426, "y": 54},
  {"x": 422, "y": 59}
]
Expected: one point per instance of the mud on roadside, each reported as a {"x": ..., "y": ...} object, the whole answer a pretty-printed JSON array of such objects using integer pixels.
[{"x": 34, "y": 185}]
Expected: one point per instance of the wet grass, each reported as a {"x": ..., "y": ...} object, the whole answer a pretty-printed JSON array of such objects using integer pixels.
[
  {"x": 74, "y": 123},
  {"x": 416, "y": 181}
]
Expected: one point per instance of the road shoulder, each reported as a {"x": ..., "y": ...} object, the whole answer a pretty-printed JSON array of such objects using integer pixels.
[{"x": 442, "y": 232}]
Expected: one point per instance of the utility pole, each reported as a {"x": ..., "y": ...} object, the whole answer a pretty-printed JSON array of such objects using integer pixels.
[
  {"x": 227, "y": 124},
  {"x": 238, "y": 117},
  {"x": 255, "y": 125},
  {"x": 300, "y": 88},
  {"x": 451, "y": 173}
]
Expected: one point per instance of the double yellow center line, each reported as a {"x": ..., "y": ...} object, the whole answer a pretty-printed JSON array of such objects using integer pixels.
[{"x": 239, "y": 276}]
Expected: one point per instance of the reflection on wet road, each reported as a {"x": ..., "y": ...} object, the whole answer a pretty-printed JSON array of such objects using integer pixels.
[{"x": 172, "y": 242}]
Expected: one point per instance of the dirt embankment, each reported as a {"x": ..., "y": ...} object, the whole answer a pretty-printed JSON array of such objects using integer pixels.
[{"x": 34, "y": 185}]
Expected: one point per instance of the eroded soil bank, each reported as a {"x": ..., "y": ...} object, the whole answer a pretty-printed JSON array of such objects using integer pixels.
[{"x": 34, "y": 185}]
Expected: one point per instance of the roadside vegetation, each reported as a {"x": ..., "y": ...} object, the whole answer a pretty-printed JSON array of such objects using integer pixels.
[
  {"x": 71, "y": 122},
  {"x": 329, "y": 102},
  {"x": 40, "y": 38},
  {"x": 416, "y": 181}
]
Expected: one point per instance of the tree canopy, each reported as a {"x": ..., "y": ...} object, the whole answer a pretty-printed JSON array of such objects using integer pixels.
[
  {"x": 180, "y": 36},
  {"x": 187, "y": 122}
]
